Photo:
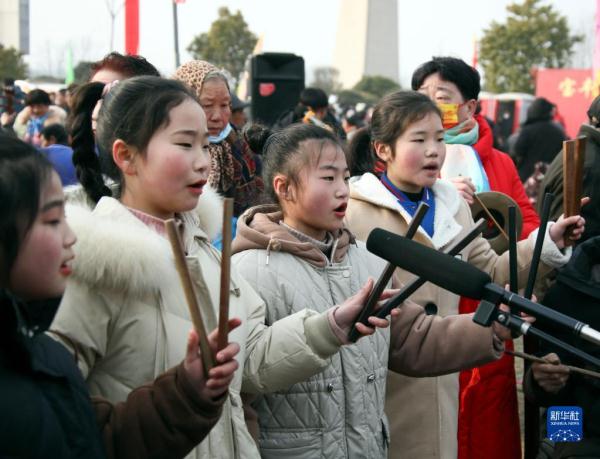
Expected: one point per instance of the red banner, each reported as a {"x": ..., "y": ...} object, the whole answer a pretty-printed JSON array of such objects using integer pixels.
[
  {"x": 572, "y": 90},
  {"x": 132, "y": 26}
]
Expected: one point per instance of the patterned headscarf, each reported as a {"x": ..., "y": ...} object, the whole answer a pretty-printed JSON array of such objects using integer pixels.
[{"x": 193, "y": 74}]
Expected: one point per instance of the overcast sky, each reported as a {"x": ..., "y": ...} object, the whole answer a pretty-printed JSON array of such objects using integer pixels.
[{"x": 305, "y": 27}]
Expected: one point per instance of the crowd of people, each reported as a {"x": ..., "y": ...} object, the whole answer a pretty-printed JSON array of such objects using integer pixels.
[{"x": 98, "y": 357}]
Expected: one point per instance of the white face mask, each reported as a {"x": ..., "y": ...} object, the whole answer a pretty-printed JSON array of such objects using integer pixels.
[{"x": 221, "y": 136}]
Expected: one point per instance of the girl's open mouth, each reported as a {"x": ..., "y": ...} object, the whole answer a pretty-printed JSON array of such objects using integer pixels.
[
  {"x": 340, "y": 211},
  {"x": 65, "y": 269},
  {"x": 197, "y": 187}
]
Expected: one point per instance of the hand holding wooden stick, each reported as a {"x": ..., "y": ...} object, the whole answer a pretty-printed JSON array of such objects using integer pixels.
[
  {"x": 534, "y": 358},
  {"x": 208, "y": 359}
]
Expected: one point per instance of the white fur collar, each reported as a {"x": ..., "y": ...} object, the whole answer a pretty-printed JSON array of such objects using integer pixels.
[
  {"x": 115, "y": 251},
  {"x": 369, "y": 188}
]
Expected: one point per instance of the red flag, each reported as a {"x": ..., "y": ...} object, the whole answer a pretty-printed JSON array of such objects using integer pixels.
[
  {"x": 178, "y": 1},
  {"x": 132, "y": 26}
]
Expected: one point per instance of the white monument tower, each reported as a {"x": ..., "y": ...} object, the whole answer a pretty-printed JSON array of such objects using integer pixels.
[
  {"x": 14, "y": 24},
  {"x": 367, "y": 40}
]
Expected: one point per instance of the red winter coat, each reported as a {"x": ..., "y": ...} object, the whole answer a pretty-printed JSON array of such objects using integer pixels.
[{"x": 488, "y": 421}]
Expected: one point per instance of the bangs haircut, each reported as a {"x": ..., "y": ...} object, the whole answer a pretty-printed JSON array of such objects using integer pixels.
[
  {"x": 23, "y": 174},
  {"x": 396, "y": 112}
]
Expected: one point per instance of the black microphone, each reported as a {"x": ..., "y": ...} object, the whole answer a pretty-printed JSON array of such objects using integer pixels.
[{"x": 462, "y": 278}]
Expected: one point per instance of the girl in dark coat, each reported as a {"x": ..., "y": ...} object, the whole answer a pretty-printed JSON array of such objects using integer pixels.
[{"x": 46, "y": 408}]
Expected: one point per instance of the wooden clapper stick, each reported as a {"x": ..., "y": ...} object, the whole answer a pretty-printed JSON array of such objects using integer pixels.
[
  {"x": 573, "y": 158},
  {"x": 534, "y": 358},
  {"x": 225, "y": 273},
  {"x": 208, "y": 359}
]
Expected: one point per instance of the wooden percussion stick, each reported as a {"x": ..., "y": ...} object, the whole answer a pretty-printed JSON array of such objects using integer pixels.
[
  {"x": 225, "y": 274},
  {"x": 489, "y": 214},
  {"x": 580, "y": 143},
  {"x": 534, "y": 358},
  {"x": 573, "y": 160},
  {"x": 208, "y": 360},
  {"x": 568, "y": 177}
]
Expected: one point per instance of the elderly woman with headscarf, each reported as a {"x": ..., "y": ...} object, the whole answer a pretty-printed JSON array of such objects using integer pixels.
[{"x": 233, "y": 164}]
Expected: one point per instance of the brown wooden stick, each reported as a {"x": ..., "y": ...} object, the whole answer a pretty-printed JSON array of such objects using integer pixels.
[
  {"x": 208, "y": 360},
  {"x": 489, "y": 214},
  {"x": 573, "y": 160},
  {"x": 580, "y": 143},
  {"x": 225, "y": 274},
  {"x": 534, "y": 358},
  {"x": 569, "y": 177}
]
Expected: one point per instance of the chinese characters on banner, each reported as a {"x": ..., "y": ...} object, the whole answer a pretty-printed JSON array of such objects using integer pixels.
[{"x": 572, "y": 90}]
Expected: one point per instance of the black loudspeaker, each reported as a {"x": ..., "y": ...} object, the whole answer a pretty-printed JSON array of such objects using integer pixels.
[{"x": 277, "y": 79}]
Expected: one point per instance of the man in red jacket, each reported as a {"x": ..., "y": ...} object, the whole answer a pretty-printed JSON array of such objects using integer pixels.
[{"x": 488, "y": 420}]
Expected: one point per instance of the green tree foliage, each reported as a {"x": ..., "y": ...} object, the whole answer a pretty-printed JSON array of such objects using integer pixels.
[
  {"x": 533, "y": 35},
  {"x": 12, "y": 64},
  {"x": 227, "y": 44},
  {"x": 349, "y": 97},
  {"x": 377, "y": 86},
  {"x": 327, "y": 79}
]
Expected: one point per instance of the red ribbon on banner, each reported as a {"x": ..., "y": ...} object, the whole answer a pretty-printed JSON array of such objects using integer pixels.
[{"x": 132, "y": 26}]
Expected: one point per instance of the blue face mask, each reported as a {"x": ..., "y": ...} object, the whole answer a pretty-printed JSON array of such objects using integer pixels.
[{"x": 221, "y": 136}]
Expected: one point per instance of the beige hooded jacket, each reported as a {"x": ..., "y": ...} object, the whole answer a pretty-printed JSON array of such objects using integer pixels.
[
  {"x": 339, "y": 413},
  {"x": 429, "y": 429}
]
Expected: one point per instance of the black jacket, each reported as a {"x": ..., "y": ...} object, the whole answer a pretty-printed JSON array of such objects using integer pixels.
[
  {"x": 45, "y": 405},
  {"x": 540, "y": 139},
  {"x": 577, "y": 294},
  {"x": 46, "y": 410}
]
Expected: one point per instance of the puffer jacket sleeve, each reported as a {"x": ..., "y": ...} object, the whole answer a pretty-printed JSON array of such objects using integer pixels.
[
  {"x": 482, "y": 256},
  {"x": 431, "y": 345},
  {"x": 290, "y": 350},
  {"x": 82, "y": 324},
  {"x": 163, "y": 419}
]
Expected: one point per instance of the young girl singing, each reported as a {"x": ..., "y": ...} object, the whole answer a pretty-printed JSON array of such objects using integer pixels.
[
  {"x": 124, "y": 307},
  {"x": 296, "y": 253},
  {"x": 407, "y": 134},
  {"x": 46, "y": 408}
]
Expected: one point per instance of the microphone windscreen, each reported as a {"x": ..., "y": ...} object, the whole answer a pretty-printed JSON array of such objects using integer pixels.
[{"x": 436, "y": 267}]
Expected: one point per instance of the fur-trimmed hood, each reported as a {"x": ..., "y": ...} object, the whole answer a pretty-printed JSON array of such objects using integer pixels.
[{"x": 115, "y": 251}]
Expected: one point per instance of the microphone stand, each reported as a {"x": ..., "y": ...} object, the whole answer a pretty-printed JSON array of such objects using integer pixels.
[
  {"x": 531, "y": 411},
  {"x": 488, "y": 312},
  {"x": 413, "y": 286}
]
